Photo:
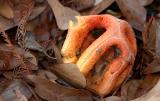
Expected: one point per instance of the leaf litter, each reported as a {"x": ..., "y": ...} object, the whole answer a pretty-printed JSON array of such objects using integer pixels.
[{"x": 32, "y": 34}]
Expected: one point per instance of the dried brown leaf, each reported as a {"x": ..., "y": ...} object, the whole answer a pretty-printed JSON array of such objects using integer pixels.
[
  {"x": 9, "y": 94},
  {"x": 6, "y": 23},
  {"x": 79, "y": 5},
  {"x": 20, "y": 96},
  {"x": 151, "y": 36},
  {"x": 70, "y": 73},
  {"x": 62, "y": 14},
  {"x": 5, "y": 9},
  {"x": 133, "y": 12},
  {"x": 47, "y": 75},
  {"x": 99, "y": 7},
  {"x": 136, "y": 88},
  {"x": 37, "y": 10},
  {"x": 145, "y": 2},
  {"x": 152, "y": 95},
  {"x": 113, "y": 98},
  {"x": 9, "y": 61},
  {"x": 153, "y": 67},
  {"x": 49, "y": 91}
]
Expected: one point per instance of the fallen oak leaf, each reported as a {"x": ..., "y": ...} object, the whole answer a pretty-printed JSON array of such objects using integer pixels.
[{"x": 49, "y": 91}]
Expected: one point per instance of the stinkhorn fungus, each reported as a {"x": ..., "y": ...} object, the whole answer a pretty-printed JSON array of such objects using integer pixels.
[{"x": 118, "y": 33}]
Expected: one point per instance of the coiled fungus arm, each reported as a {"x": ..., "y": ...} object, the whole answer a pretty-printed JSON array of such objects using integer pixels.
[{"x": 118, "y": 33}]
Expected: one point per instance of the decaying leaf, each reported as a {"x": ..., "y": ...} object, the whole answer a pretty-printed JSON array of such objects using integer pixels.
[
  {"x": 136, "y": 88},
  {"x": 47, "y": 75},
  {"x": 151, "y": 36},
  {"x": 7, "y": 58},
  {"x": 21, "y": 8},
  {"x": 9, "y": 93},
  {"x": 145, "y": 2},
  {"x": 62, "y": 14},
  {"x": 37, "y": 10},
  {"x": 99, "y": 7},
  {"x": 31, "y": 43},
  {"x": 70, "y": 73},
  {"x": 152, "y": 95},
  {"x": 133, "y": 12},
  {"x": 79, "y": 5},
  {"x": 49, "y": 91},
  {"x": 113, "y": 98},
  {"x": 6, "y": 23},
  {"x": 20, "y": 96},
  {"x": 5, "y": 9},
  {"x": 9, "y": 61},
  {"x": 153, "y": 67}
]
